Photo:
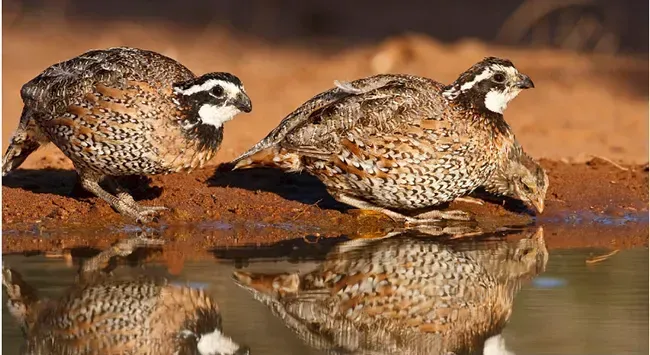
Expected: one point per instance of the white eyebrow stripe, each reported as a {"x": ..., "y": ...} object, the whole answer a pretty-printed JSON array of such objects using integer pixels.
[
  {"x": 484, "y": 75},
  {"x": 228, "y": 87}
]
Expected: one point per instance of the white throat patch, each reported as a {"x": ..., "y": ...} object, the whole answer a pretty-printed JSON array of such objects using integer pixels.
[
  {"x": 496, "y": 345},
  {"x": 217, "y": 115},
  {"x": 497, "y": 101},
  {"x": 216, "y": 343}
]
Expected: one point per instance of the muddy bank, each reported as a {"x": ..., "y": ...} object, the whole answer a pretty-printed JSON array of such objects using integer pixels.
[{"x": 590, "y": 204}]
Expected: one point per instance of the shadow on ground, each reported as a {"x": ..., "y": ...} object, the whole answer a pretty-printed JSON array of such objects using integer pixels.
[
  {"x": 303, "y": 187},
  {"x": 66, "y": 183}
]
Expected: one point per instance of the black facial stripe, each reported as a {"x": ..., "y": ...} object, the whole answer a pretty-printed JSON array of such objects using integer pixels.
[
  {"x": 207, "y": 136},
  {"x": 488, "y": 85},
  {"x": 191, "y": 104},
  {"x": 203, "y": 97},
  {"x": 470, "y": 74}
]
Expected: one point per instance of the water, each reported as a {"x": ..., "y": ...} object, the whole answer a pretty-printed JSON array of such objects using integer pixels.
[{"x": 562, "y": 305}]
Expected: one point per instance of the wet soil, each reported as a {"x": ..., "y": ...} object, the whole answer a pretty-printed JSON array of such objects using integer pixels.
[{"x": 589, "y": 204}]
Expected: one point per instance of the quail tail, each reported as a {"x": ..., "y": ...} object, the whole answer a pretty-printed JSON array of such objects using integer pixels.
[
  {"x": 26, "y": 139},
  {"x": 273, "y": 156}
]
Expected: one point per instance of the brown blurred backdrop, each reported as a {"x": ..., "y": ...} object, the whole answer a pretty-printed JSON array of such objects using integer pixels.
[{"x": 588, "y": 58}]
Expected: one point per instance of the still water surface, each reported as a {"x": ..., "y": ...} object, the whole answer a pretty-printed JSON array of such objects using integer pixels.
[{"x": 563, "y": 307}]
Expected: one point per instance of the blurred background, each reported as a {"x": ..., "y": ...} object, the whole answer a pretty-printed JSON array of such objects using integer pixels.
[{"x": 588, "y": 58}]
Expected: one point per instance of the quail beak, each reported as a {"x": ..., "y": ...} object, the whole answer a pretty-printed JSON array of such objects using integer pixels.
[
  {"x": 538, "y": 203},
  {"x": 243, "y": 103},
  {"x": 524, "y": 82}
]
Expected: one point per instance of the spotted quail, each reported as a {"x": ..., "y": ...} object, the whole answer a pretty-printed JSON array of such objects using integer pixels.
[
  {"x": 399, "y": 144},
  {"x": 406, "y": 294},
  {"x": 102, "y": 315},
  {"x": 520, "y": 177},
  {"x": 125, "y": 111}
]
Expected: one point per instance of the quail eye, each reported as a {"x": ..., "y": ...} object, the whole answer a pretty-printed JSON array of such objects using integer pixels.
[
  {"x": 217, "y": 91},
  {"x": 499, "y": 78},
  {"x": 527, "y": 188}
]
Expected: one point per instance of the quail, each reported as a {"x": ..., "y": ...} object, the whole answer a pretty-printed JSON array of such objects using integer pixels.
[
  {"x": 102, "y": 315},
  {"x": 399, "y": 144},
  {"x": 125, "y": 111},
  {"x": 520, "y": 177},
  {"x": 406, "y": 294}
]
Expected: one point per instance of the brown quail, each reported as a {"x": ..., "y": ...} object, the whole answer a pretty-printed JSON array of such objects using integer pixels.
[
  {"x": 520, "y": 177},
  {"x": 125, "y": 111},
  {"x": 101, "y": 315},
  {"x": 399, "y": 144},
  {"x": 405, "y": 294}
]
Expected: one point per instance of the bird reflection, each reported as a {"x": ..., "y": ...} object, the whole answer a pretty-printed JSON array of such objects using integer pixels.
[
  {"x": 405, "y": 294},
  {"x": 103, "y": 315}
]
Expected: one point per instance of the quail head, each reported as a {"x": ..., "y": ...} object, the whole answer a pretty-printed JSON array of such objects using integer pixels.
[
  {"x": 521, "y": 178},
  {"x": 214, "y": 97},
  {"x": 490, "y": 84},
  {"x": 399, "y": 144},
  {"x": 125, "y": 111}
]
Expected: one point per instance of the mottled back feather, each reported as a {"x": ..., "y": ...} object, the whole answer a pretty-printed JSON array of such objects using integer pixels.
[{"x": 52, "y": 90}]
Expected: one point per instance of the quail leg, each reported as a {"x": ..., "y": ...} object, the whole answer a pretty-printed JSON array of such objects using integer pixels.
[
  {"x": 437, "y": 216},
  {"x": 122, "y": 248},
  {"x": 434, "y": 216},
  {"x": 123, "y": 194},
  {"x": 122, "y": 204},
  {"x": 120, "y": 192},
  {"x": 364, "y": 205},
  {"x": 468, "y": 199}
]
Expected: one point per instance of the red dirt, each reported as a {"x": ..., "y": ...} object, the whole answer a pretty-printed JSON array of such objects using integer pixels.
[
  {"x": 264, "y": 206},
  {"x": 581, "y": 105}
]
